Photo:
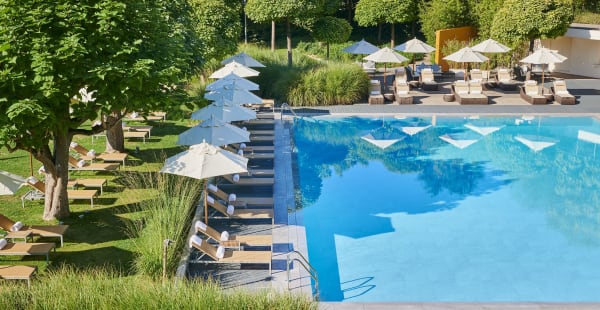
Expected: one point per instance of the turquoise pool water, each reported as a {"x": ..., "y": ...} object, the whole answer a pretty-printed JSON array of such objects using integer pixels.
[{"x": 451, "y": 209}]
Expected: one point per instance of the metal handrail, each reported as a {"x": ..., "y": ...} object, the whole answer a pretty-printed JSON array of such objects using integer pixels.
[
  {"x": 307, "y": 266},
  {"x": 284, "y": 105}
]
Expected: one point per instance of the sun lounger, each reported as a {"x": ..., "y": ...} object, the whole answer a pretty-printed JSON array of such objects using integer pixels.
[
  {"x": 427, "y": 80},
  {"x": 375, "y": 95},
  {"x": 82, "y": 165},
  {"x": 96, "y": 183},
  {"x": 239, "y": 201},
  {"x": 26, "y": 249},
  {"x": 140, "y": 128},
  {"x": 402, "y": 92},
  {"x": 46, "y": 231},
  {"x": 39, "y": 188},
  {"x": 561, "y": 93},
  {"x": 136, "y": 135},
  {"x": 222, "y": 255},
  {"x": 474, "y": 93},
  {"x": 230, "y": 211},
  {"x": 475, "y": 75},
  {"x": 530, "y": 92},
  {"x": 233, "y": 241},
  {"x": 236, "y": 179},
  {"x": 505, "y": 80},
  {"x": 91, "y": 155},
  {"x": 17, "y": 272},
  {"x": 154, "y": 116},
  {"x": 252, "y": 149}
]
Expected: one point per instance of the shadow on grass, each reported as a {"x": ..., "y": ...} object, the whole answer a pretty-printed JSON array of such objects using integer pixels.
[
  {"x": 96, "y": 226},
  {"x": 118, "y": 259}
]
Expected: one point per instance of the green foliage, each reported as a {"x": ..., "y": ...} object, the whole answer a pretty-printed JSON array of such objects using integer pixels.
[
  {"x": 587, "y": 18},
  {"x": 520, "y": 21},
  {"x": 332, "y": 30},
  {"x": 333, "y": 84},
  {"x": 164, "y": 215},
  {"x": 452, "y": 46},
  {"x": 218, "y": 26},
  {"x": 374, "y": 12},
  {"x": 483, "y": 12},
  {"x": 441, "y": 14},
  {"x": 265, "y": 11},
  {"x": 104, "y": 289}
]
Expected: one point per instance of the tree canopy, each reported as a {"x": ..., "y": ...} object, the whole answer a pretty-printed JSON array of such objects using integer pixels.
[
  {"x": 129, "y": 54},
  {"x": 441, "y": 14},
  {"x": 218, "y": 25},
  {"x": 331, "y": 29},
  {"x": 375, "y": 12}
]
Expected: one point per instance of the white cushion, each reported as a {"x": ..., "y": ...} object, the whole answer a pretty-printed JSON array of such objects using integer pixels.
[
  {"x": 73, "y": 144},
  {"x": 16, "y": 227},
  {"x": 232, "y": 197},
  {"x": 91, "y": 153},
  {"x": 504, "y": 80},
  {"x": 462, "y": 92},
  {"x": 236, "y": 177},
  {"x": 81, "y": 163},
  {"x": 242, "y": 145},
  {"x": 562, "y": 92},
  {"x": 195, "y": 239},
  {"x": 210, "y": 199},
  {"x": 42, "y": 170},
  {"x": 375, "y": 92},
  {"x": 32, "y": 180},
  {"x": 134, "y": 115},
  {"x": 213, "y": 188},
  {"x": 532, "y": 92},
  {"x": 230, "y": 209},
  {"x": 402, "y": 92},
  {"x": 220, "y": 252},
  {"x": 476, "y": 91},
  {"x": 224, "y": 236},
  {"x": 531, "y": 82},
  {"x": 200, "y": 226},
  {"x": 3, "y": 243},
  {"x": 240, "y": 152}
]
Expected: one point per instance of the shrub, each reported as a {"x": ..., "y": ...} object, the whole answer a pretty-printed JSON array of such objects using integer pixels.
[
  {"x": 588, "y": 18},
  {"x": 333, "y": 84}
]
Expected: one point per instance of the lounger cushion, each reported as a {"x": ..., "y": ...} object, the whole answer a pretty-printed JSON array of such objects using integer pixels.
[
  {"x": 220, "y": 252},
  {"x": 213, "y": 188},
  {"x": 236, "y": 177},
  {"x": 195, "y": 239},
  {"x": 32, "y": 180},
  {"x": 81, "y": 163},
  {"x": 242, "y": 145},
  {"x": 17, "y": 226},
  {"x": 232, "y": 197},
  {"x": 224, "y": 236},
  {"x": 210, "y": 199},
  {"x": 230, "y": 209},
  {"x": 3, "y": 243},
  {"x": 91, "y": 153},
  {"x": 562, "y": 92},
  {"x": 199, "y": 225}
]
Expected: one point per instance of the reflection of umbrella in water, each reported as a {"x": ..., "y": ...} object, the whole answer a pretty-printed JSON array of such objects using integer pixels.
[
  {"x": 536, "y": 143},
  {"x": 483, "y": 130},
  {"x": 203, "y": 161},
  {"x": 383, "y": 137},
  {"x": 243, "y": 59},
  {"x": 215, "y": 132},
  {"x": 413, "y": 130},
  {"x": 459, "y": 143},
  {"x": 10, "y": 183},
  {"x": 588, "y": 137}
]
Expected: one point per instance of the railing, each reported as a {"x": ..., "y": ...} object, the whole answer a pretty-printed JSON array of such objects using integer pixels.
[
  {"x": 307, "y": 266},
  {"x": 286, "y": 105}
]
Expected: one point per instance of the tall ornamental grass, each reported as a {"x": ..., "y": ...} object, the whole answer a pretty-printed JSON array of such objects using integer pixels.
[
  {"x": 165, "y": 215},
  {"x": 334, "y": 84},
  {"x": 66, "y": 288}
]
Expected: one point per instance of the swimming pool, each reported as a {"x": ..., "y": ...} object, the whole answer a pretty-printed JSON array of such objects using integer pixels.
[{"x": 451, "y": 209}]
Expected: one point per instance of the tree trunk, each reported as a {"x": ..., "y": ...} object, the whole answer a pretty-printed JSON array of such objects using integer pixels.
[
  {"x": 289, "y": 42},
  {"x": 327, "y": 45},
  {"x": 393, "y": 41},
  {"x": 115, "y": 142},
  {"x": 272, "y": 36},
  {"x": 56, "y": 203}
]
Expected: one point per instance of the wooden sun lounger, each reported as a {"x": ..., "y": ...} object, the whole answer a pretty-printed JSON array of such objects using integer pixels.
[
  {"x": 257, "y": 148},
  {"x": 239, "y": 213},
  {"x": 74, "y": 194},
  {"x": 249, "y": 180},
  {"x": 47, "y": 231},
  {"x": 86, "y": 154},
  {"x": 561, "y": 93},
  {"x": 240, "y": 201},
  {"x": 75, "y": 166},
  {"x": 231, "y": 257},
  {"x": 96, "y": 183},
  {"x": 135, "y": 135},
  {"x": 26, "y": 249},
  {"x": 17, "y": 272},
  {"x": 530, "y": 93},
  {"x": 141, "y": 128},
  {"x": 234, "y": 241}
]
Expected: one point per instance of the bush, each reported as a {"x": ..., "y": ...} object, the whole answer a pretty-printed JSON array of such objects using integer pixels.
[
  {"x": 587, "y": 18},
  {"x": 334, "y": 84}
]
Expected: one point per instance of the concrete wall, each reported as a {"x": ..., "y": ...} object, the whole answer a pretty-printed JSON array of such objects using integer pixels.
[
  {"x": 441, "y": 36},
  {"x": 582, "y": 49}
]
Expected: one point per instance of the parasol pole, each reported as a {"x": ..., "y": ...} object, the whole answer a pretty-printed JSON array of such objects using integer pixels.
[
  {"x": 205, "y": 204},
  {"x": 542, "y": 79},
  {"x": 31, "y": 163}
]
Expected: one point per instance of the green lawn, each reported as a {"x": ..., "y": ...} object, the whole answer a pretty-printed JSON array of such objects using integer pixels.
[{"x": 96, "y": 236}]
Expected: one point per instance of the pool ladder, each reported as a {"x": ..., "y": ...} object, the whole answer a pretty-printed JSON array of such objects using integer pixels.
[
  {"x": 286, "y": 105},
  {"x": 295, "y": 256}
]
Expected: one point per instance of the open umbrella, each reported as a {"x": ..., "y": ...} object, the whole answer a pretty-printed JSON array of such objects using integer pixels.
[
  {"x": 225, "y": 111},
  {"x": 235, "y": 81},
  {"x": 203, "y": 161},
  {"x": 536, "y": 143},
  {"x": 386, "y": 55},
  {"x": 415, "y": 46},
  {"x": 10, "y": 183},
  {"x": 236, "y": 68},
  {"x": 544, "y": 56},
  {"x": 215, "y": 132},
  {"x": 234, "y": 95},
  {"x": 361, "y": 47},
  {"x": 490, "y": 46},
  {"x": 243, "y": 59},
  {"x": 464, "y": 55}
]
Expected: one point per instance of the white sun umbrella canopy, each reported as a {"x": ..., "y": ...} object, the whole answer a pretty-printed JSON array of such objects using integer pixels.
[
  {"x": 234, "y": 80},
  {"x": 236, "y": 68},
  {"x": 10, "y": 183},
  {"x": 544, "y": 56},
  {"x": 234, "y": 95},
  {"x": 225, "y": 111},
  {"x": 386, "y": 55},
  {"x": 203, "y": 161},
  {"x": 415, "y": 46},
  {"x": 464, "y": 55},
  {"x": 243, "y": 59},
  {"x": 215, "y": 132},
  {"x": 490, "y": 46}
]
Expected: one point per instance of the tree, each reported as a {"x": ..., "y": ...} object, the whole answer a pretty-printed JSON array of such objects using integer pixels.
[
  {"x": 483, "y": 12},
  {"x": 331, "y": 29},
  {"x": 375, "y": 12},
  {"x": 442, "y": 14},
  {"x": 519, "y": 21},
  {"x": 129, "y": 55},
  {"x": 299, "y": 12},
  {"x": 218, "y": 25}
]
